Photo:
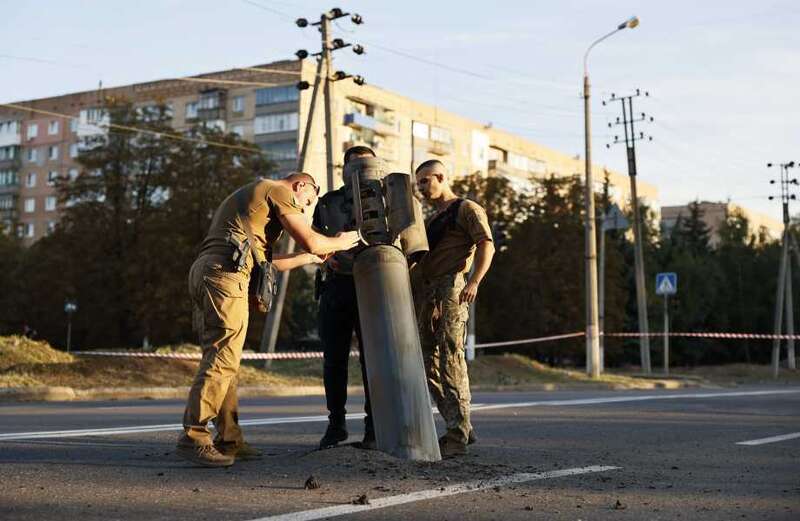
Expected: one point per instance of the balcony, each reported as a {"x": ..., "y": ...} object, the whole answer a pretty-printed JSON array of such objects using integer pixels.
[
  {"x": 361, "y": 121},
  {"x": 440, "y": 148},
  {"x": 212, "y": 105},
  {"x": 10, "y": 136}
]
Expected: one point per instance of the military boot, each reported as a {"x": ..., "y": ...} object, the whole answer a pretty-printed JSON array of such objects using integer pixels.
[
  {"x": 335, "y": 433},
  {"x": 241, "y": 451},
  {"x": 471, "y": 438},
  {"x": 205, "y": 455},
  {"x": 450, "y": 446}
]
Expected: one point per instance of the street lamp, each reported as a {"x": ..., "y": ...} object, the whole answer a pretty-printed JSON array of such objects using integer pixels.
[
  {"x": 592, "y": 332},
  {"x": 70, "y": 307}
]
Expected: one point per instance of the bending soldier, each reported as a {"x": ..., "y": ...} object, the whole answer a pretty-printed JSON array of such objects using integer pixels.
[
  {"x": 338, "y": 313},
  {"x": 458, "y": 233},
  {"x": 242, "y": 232}
]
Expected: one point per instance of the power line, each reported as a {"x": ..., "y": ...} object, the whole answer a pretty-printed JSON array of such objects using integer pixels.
[{"x": 168, "y": 135}]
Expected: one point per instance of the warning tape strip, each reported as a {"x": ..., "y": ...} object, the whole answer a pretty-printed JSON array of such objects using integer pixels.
[
  {"x": 319, "y": 354},
  {"x": 198, "y": 356},
  {"x": 530, "y": 340},
  {"x": 754, "y": 336}
]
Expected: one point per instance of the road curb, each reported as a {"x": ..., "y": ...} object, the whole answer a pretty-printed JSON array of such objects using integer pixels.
[{"x": 67, "y": 394}]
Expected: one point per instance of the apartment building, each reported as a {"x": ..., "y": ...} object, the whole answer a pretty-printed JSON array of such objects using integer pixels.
[
  {"x": 714, "y": 215},
  {"x": 262, "y": 105}
]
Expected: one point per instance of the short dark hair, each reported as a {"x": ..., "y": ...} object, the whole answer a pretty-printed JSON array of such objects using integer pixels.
[
  {"x": 427, "y": 164},
  {"x": 295, "y": 177},
  {"x": 358, "y": 150}
]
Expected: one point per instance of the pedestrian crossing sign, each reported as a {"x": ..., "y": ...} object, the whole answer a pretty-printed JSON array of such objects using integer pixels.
[{"x": 666, "y": 283}]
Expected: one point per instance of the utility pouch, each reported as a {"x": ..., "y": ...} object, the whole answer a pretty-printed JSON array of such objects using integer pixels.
[
  {"x": 241, "y": 251},
  {"x": 263, "y": 285}
]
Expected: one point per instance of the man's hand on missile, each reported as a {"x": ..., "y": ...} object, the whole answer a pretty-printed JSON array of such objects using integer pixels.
[{"x": 348, "y": 240}]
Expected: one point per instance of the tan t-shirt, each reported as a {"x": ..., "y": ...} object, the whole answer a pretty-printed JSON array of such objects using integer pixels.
[
  {"x": 456, "y": 250},
  {"x": 264, "y": 201}
]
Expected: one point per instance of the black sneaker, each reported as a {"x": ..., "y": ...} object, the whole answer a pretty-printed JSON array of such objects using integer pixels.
[
  {"x": 471, "y": 438},
  {"x": 333, "y": 435},
  {"x": 369, "y": 443}
]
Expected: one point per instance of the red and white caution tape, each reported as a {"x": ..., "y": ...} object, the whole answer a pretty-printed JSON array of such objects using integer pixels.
[
  {"x": 530, "y": 340},
  {"x": 318, "y": 354},
  {"x": 198, "y": 356},
  {"x": 749, "y": 336}
]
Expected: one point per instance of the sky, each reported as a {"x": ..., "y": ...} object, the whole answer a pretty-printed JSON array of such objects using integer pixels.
[{"x": 723, "y": 76}]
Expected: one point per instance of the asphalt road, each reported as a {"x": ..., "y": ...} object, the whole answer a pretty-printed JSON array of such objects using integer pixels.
[{"x": 545, "y": 455}]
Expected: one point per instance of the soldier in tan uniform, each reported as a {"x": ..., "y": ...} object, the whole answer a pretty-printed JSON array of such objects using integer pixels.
[
  {"x": 218, "y": 285},
  {"x": 458, "y": 233}
]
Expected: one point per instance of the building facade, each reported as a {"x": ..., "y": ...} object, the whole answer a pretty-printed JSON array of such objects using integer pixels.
[
  {"x": 714, "y": 215},
  {"x": 262, "y": 105}
]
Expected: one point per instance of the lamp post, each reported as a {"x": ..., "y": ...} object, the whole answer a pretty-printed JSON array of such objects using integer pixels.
[
  {"x": 70, "y": 307},
  {"x": 592, "y": 332}
]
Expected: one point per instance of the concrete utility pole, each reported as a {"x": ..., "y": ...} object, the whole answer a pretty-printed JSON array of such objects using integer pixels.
[
  {"x": 641, "y": 289},
  {"x": 269, "y": 336},
  {"x": 783, "y": 291},
  {"x": 592, "y": 332}
]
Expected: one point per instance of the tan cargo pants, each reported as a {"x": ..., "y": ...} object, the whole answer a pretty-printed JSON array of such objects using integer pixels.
[
  {"x": 220, "y": 316},
  {"x": 442, "y": 330}
]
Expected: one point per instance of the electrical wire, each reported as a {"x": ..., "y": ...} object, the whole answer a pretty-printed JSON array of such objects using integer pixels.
[{"x": 177, "y": 137}]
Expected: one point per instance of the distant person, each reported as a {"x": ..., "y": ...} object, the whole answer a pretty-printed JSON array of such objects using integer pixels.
[
  {"x": 457, "y": 233},
  {"x": 338, "y": 314},
  {"x": 253, "y": 215}
]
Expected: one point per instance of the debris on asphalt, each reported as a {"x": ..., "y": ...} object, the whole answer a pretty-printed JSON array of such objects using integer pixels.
[
  {"x": 312, "y": 483},
  {"x": 619, "y": 505},
  {"x": 361, "y": 500}
]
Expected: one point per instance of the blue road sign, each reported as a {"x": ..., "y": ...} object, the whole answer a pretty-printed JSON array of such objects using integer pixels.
[{"x": 666, "y": 283}]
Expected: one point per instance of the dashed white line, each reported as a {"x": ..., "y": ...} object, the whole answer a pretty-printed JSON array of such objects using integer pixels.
[
  {"x": 423, "y": 495},
  {"x": 771, "y": 439},
  {"x": 15, "y": 436}
]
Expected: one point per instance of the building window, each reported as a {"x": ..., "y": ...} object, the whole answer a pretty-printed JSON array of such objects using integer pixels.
[
  {"x": 280, "y": 150},
  {"x": 52, "y": 128},
  {"x": 9, "y": 127},
  {"x": 442, "y": 135},
  {"x": 238, "y": 130},
  {"x": 272, "y": 95},
  {"x": 238, "y": 104},
  {"x": 191, "y": 110},
  {"x": 52, "y": 152},
  {"x": 6, "y": 202},
  {"x": 73, "y": 124},
  {"x": 51, "y": 178},
  {"x": 272, "y": 123},
  {"x": 517, "y": 161},
  {"x": 33, "y": 155},
  {"x": 73, "y": 150},
  {"x": 33, "y": 130},
  {"x": 30, "y": 181},
  {"x": 51, "y": 227},
  {"x": 209, "y": 101},
  {"x": 419, "y": 130},
  {"x": 8, "y": 178},
  {"x": 73, "y": 174},
  {"x": 7, "y": 153},
  {"x": 50, "y": 203},
  {"x": 28, "y": 233},
  {"x": 29, "y": 205}
]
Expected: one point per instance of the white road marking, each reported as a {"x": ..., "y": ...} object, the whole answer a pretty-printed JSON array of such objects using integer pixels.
[
  {"x": 423, "y": 495},
  {"x": 13, "y": 436},
  {"x": 771, "y": 439}
]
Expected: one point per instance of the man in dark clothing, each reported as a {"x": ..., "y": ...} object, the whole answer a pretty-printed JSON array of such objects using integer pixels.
[{"x": 338, "y": 312}]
